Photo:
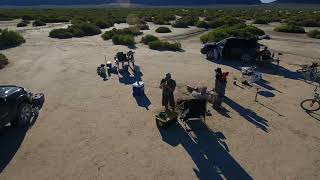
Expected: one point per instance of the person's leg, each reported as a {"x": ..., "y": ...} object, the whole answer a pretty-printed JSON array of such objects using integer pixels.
[
  {"x": 165, "y": 102},
  {"x": 171, "y": 102}
]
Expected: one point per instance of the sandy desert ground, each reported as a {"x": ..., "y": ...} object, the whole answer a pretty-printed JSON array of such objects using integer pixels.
[{"x": 94, "y": 129}]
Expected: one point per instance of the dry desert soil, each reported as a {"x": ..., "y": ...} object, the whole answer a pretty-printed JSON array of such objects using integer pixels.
[{"x": 95, "y": 129}]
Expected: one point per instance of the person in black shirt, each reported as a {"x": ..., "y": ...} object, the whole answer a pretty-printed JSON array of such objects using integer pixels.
[{"x": 168, "y": 86}]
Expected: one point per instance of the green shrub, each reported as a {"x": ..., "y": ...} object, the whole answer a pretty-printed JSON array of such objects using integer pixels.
[
  {"x": 3, "y": 61},
  {"x": 90, "y": 29},
  {"x": 164, "y": 46},
  {"x": 289, "y": 28},
  {"x": 310, "y": 23},
  {"x": 103, "y": 24},
  {"x": 22, "y": 24},
  {"x": 133, "y": 19},
  {"x": 108, "y": 35},
  {"x": 60, "y": 34},
  {"x": 38, "y": 23},
  {"x": 215, "y": 23},
  {"x": 76, "y": 30},
  {"x": 133, "y": 31},
  {"x": 185, "y": 22},
  {"x": 241, "y": 30},
  {"x": 163, "y": 30},
  {"x": 142, "y": 26},
  {"x": 123, "y": 40},
  {"x": 149, "y": 38},
  {"x": 27, "y": 18},
  {"x": 53, "y": 19},
  {"x": 260, "y": 21},
  {"x": 314, "y": 34},
  {"x": 10, "y": 39},
  {"x": 202, "y": 24}
]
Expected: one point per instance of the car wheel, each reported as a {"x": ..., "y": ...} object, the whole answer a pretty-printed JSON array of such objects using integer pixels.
[
  {"x": 210, "y": 54},
  {"x": 216, "y": 54},
  {"x": 24, "y": 115}
]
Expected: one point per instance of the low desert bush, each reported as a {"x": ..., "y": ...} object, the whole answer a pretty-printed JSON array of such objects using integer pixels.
[
  {"x": 202, "y": 24},
  {"x": 27, "y": 18},
  {"x": 23, "y": 24},
  {"x": 289, "y": 28},
  {"x": 241, "y": 30},
  {"x": 3, "y": 61},
  {"x": 38, "y": 23},
  {"x": 215, "y": 23},
  {"x": 149, "y": 38},
  {"x": 314, "y": 34},
  {"x": 142, "y": 26},
  {"x": 185, "y": 22},
  {"x": 103, "y": 24},
  {"x": 163, "y": 30},
  {"x": 125, "y": 39},
  {"x": 260, "y": 21},
  {"x": 126, "y": 31},
  {"x": 60, "y": 34},
  {"x": 76, "y": 30},
  {"x": 10, "y": 39},
  {"x": 165, "y": 46},
  {"x": 53, "y": 19}
]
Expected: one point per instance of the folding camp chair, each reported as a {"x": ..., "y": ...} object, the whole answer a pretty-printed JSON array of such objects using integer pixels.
[{"x": 194, "y": 109}]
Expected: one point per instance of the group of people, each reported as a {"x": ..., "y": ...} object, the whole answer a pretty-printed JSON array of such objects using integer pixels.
[{"x": 168, "y": 86}]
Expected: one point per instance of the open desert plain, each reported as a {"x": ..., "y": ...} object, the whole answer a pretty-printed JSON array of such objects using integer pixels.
[{"x": 94, "y": 129}]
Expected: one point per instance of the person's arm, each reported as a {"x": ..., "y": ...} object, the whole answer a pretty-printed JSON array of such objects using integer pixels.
[{"x": 162, "y": 83}]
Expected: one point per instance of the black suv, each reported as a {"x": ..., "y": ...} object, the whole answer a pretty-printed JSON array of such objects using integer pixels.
[
  {"x": 17, "y": 105},
  {"x": 231, "y": 48}
]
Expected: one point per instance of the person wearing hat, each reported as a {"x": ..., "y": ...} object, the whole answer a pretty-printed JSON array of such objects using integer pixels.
[{"x": 168, "y": 86}]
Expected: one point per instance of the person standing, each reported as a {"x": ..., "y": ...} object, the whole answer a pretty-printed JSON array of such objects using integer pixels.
[{"x": 168, "y": 86}]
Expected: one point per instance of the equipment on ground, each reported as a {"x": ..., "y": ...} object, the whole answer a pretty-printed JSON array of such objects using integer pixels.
[
  {"x": 193, "y": 109},
  {"x": 164, "y": 119},
  {"x": 310, "y": 72},
  {"x": 138, "y": 88},
  {"x": 122, "y": 58},
  {"x": 311, "y": 105}
]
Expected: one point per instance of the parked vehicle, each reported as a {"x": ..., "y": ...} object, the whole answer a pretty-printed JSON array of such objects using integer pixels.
[
  {"x": 18, "y": 106},
  {"x": 231, "y": 48}
]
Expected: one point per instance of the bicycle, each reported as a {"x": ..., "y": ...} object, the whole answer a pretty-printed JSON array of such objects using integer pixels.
[
  {"x": 311, "y": 105},
  {"x": 310, "y": 72}
]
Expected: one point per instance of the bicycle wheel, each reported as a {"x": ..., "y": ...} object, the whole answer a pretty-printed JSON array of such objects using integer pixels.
[{"x": 310, "y": 105}]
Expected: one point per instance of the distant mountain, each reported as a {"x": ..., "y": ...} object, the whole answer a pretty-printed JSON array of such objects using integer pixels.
[
  {"x": 142, "y": 2},
  {"x": 299, "y": 1}
]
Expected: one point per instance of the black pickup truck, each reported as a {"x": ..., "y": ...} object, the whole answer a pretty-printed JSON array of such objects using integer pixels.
[{"x": 17, "y": 105}]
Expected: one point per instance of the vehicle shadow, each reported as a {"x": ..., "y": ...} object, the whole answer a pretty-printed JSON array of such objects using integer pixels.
[
  {"x": 208, "y": 151},
  {"x": 248, "y": 114},
  {"x": 267, "y": 69},
  {"x": 10, "y": 141}
]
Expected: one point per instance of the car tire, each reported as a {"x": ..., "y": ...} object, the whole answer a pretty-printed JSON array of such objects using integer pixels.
[{"x": 24, "y": 115}]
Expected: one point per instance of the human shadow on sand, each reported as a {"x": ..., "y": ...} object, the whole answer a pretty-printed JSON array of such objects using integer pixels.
[
  {"x": 248, "y": 114},
  {"x": 10, "y": 141},
  {"x": 128, "y": 78},
  {"x": 207, "y": 150},
  {"x": 143, "y": 101}
]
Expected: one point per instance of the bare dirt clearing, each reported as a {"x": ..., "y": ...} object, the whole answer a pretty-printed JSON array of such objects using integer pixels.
[{"x": 91, "y": 129}]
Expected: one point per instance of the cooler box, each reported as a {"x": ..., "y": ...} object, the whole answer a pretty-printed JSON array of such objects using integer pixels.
[{"x": 138, "y": 88}]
